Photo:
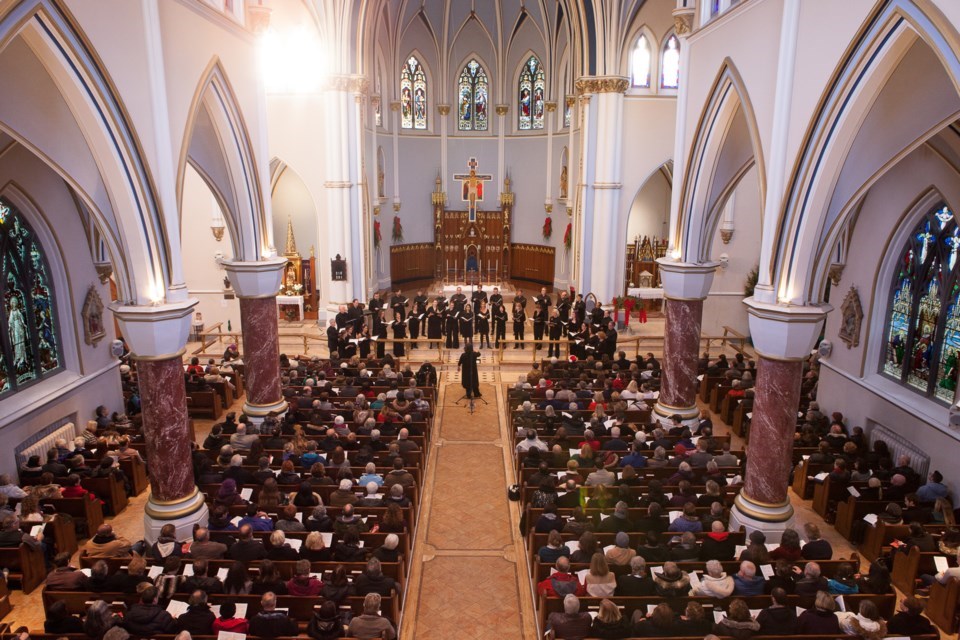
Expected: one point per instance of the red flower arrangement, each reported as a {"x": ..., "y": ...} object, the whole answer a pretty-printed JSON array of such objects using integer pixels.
[
  {"x": 547, "y": 228},
  {"x": 377, "y": 237},
  {"x": 397, "y": 229},
  {"x": 568, "y": 236}
]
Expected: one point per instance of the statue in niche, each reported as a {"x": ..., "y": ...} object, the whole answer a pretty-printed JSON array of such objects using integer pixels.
[
  {"x": 564, "y": 180},
  {"x": 380, "y": 191},
  {"x": 92, "y": 313},
  {"x": 851, "y": 314}
]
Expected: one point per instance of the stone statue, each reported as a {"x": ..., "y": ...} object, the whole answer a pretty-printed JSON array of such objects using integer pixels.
[
  {"x": 563, "y": 182},
  {"x": 18, "y": 335}
]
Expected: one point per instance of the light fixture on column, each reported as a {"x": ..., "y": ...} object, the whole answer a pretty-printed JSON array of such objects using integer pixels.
[
  {"x": 217, "y": 224},
  {"x": 724, "y": 261}
]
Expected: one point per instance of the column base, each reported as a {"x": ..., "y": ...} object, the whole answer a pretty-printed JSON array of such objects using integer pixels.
[
  {"x": 690, "y": 416},
  {"x": 183, "y": 514},
  {"x": 257, "y": 412},
  {"x": 773, "y": 520}
]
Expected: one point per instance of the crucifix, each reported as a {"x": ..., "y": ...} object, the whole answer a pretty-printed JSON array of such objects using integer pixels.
[{"x": 472, "y": 187}]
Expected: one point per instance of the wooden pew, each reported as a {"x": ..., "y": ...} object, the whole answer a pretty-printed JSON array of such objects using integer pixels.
[
  {"x": 87, "y": 514},
  {"x": 907, "y": 567},
  {"x": 25, "y": 564},
  {"x": 136, "y": 471},
  {"x": 942, "y": 608},
  {"x": 204, "y": 404},
  {"x": 110, "y": 490}
]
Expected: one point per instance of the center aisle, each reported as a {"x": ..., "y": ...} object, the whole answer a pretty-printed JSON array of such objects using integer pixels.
[{"x": 468, "y": 577}]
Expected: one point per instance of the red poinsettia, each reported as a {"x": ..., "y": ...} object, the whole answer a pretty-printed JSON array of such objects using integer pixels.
[
  {"x": 397, "y": 229},
  {"x": 377, "y": 237},
  {"x": 547, "y": 228},
  {"x": 568, "y": 236}
]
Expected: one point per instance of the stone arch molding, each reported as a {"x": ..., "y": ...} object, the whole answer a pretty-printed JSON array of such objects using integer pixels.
[
  {"x": 799, "y": 258},
  {"x": 216, "y": 143},
  {"x": 92, "y": 126},
  {"x": 727, "y": 144}
]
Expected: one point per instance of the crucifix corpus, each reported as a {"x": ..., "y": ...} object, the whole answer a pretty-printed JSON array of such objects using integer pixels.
[{"x": 472, "y": 187}]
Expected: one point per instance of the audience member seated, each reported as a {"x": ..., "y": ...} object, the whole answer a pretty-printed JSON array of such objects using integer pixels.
[
  {"x": 715, "y": 583},
  {"x": 737, "y": 623},
  {"x": 561, "y": 582},
  {"x": 819, "y": 619},
  {"x": 59, "y": 620},
  {"x": 908, "y": 620},
  {"x": 202, "y": 548},
  {"x": 866, "y": 623},
  {"x": 816, "y": 547},
  {"x": 746, "y": 581},
  {"x": 228, "y": 621},
  {"x": 147, "y": 618},
  {"x": 107, "y": 544},
  {"x": 270, "y": 623},
  {"x": 371, "y": 624},
  {"x": 64, "y": 577},
  {"x": 780, "y": 618},
  {"x": 198, "y": 618}
]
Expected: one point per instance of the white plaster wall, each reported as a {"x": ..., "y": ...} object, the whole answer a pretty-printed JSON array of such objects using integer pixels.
[
  {"x": 724, "y": 306},
  {"x": 291, "y": 200},
  {"x": 204, "y": 277},
  {"x": 650, "y": 211}
]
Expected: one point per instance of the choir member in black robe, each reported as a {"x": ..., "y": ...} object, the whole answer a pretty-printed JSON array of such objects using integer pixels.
[
  {"x": 483, "y": 324},
  {"x": 579, "y": 310},
  {"x": 355, "y": 311},
  {"x": 499, "y": 323},
  {"x": 343, "y": 318},
  {"x": 333, "y": 336},
  {"x": 434, "y": 326},
  {"x": 563, "y": 306},
  {"x": 458, "y": 300},
  {"x": 495, "y": 298},
  {"x": 519, "y": 321},
  {"x": 539, "y": 324},
  {"x": 420, "y": 310},
  {"x": 466, "y": 323},
  {"x": 398, "y": 303},
  {"x": 452, "y": 328},
  {"x": 478, "y": 296},
  {"x": 399, "y": 332},
  {"x": 556, "y": 330},
  {"x": 347, "y": 348},
  {"x": 522, "y": 299},
  {"x": 380, "y": 333},
  {"x": 413, "y": 326},
  {"x": 375, "y": 304},
  {"x": 364, "y": 344}
]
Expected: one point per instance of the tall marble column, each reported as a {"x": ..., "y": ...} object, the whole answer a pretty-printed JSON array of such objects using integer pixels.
[
  {"x": 685, "y": 286},
  {"x": 783, "y": 336},
  {"x": 156, "y": 336},
  {"x": 257, "y": 284}
]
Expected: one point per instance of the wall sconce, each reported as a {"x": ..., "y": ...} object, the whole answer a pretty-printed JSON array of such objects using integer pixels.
[{"x": 724, "y": 261}]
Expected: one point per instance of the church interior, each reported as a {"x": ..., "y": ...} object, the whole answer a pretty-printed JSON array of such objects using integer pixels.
[{"x": 479, "y": 318}]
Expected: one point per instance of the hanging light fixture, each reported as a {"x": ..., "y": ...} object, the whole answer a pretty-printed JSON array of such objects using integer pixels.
[{"x": 217, "y": 224}]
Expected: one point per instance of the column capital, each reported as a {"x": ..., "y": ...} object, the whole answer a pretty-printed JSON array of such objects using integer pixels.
[
  {"x": 782, "y": 331},
  {"x": 686, "y": 280},
  {"x": 602, "y": 84},
  {"x": 259, "y": 279},
  {"x": 155, "y": 332}
]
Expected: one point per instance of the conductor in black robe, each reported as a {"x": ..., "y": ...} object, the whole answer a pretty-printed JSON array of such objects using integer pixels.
[{"x": 467, "y": 366}]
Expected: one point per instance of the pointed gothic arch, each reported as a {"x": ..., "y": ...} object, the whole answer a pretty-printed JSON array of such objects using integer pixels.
[
  {"x": 810, "y": 221},
  {"x": 216, "y": 143},
  {"x": 727, "y": 144},
  {"x": 88, "y": 140}
]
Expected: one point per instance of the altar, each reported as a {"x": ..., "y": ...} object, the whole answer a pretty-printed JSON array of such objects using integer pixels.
[
  {"x": 292, "y": 301},
  {"x": 450, "y": 289},
  {"x": 647, "y": 293}
]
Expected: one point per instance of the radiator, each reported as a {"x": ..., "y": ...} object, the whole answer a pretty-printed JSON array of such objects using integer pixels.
[
  {"x": 900, "y": 446},
  {"x": 39, "y": 443}
]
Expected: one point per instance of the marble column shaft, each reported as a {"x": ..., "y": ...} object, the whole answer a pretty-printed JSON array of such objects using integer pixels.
[
  {"x": 772, "y": 429},
  {"x": 163, "y": 398},
  {"x": 261, "y": 350},
  {"x": 681, "y": 345}
]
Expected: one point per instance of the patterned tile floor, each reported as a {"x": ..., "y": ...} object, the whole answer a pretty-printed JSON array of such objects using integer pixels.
[{"x": 465, "y": 580}]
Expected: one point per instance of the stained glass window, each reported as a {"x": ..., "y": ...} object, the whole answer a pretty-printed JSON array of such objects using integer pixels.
[
  {"x": 567, "y": 113},
  {"x": 670, "y": 64},
  {"x": 640, "y": 63},
  {"x": 472, "y": 98},
  {"x": 413, "y": 95},
  {"x": 531, "y": 95},
  {"x": 29, "y": 343},
  {"x": 923, "y": 319}
]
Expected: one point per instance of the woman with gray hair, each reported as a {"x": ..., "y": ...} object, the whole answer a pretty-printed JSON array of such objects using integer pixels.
[
  {"x": 659, "y": 458},
  {"x": 371, "y": 624},
  {"x": 388, "y": 551},
  {"x": 715, "y": 583}
]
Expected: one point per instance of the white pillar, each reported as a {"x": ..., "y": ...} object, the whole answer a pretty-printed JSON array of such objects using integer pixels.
[
  {"x": 343, "y": 150},
  {"x": 444, "y": 111},
  {"x": 603, "y": 129},
  {"x": 501, "y": 111}
]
